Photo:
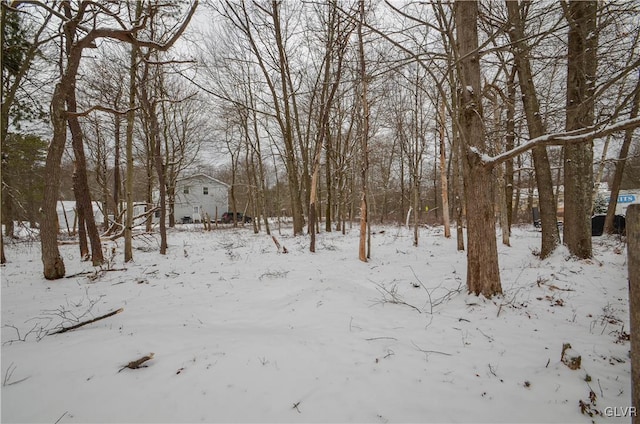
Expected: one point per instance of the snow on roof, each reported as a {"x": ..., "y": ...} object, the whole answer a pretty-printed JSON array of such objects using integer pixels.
[{"x": 201, "y": 175}]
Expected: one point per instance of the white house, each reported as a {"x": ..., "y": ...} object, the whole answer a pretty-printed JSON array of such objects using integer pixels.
[{"x": 198, "y": 195}]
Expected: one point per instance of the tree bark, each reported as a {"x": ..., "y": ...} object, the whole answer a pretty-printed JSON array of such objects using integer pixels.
[
  {"x": 79, "y": 216},
  {"x": 81, "y": 182},
  {"x": 633, "y": 253},
  {"x": 117, "y": 179},
  {"x": 128, "y": 221},
  {"x": 364, "y": 134},
  {"x": 151, "y": 115},
  {"x": 483, "y": 273},
  {"x": 578, "y": 157},
  {"x": 287, "y": 127},
  {"x": 52, "y": 261},
  {"x": 544, "y": 180},
  {"x": 444, "y": 183},
  {"x": 510, "y": 144},
  {"x": 620, "y": 163}
]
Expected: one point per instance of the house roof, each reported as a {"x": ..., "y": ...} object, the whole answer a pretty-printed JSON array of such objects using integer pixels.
[{"x": 194, "y": 176}]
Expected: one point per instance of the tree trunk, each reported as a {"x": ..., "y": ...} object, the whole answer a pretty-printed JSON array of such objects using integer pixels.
[
  {"x": 633, "y": 254},
  {"x": 3, "y": 135},
  {"x": 81, "y": 184},
  {"x": 329, "y": 209},
  {"x": 117, "y": 181},
  {"x": 483, "y": 273},
  {"x": 619, "y": 170},
  {"x": 261, "y": 173},
  {"x": 578, "y": 157},
  {"x": 333, "y": 47},
  {"x": 290, "y": 156},
  {"x": 79, "y": 215},
  {"x": 458, "y": 193},
  {"x": 7, "y": 205},
  {"x": 128, "y": 226},
  {"x": 52, "y": 261},
  {"x": 502, "y": 204},
  {"x": 443, "y": 174},
  {"x": 546, "y": 198},
  {"x": 510, "y": 144},
  {"x": 364, "y": 134},
  {"x": 151, "y": 114}
]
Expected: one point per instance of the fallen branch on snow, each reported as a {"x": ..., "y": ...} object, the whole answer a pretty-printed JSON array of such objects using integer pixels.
[
  {"x": 82, "y": 324},
  {"x": 138, "y": 362},
  {"x": 275, "y": 240}
]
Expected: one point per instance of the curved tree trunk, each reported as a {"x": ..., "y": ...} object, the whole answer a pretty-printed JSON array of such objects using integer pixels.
[{"x": 51, "y": 258}]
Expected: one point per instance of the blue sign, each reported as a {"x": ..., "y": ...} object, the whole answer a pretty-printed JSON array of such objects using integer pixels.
[{"x": 626, "y": 198}]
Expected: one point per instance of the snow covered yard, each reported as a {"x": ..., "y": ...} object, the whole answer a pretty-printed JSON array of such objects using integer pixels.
[{"x": 241, "y": 333}]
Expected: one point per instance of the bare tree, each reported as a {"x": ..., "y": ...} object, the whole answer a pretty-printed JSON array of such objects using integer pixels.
[
  {"x": 79, "y": 37},
  {"x": 335, "y": 47},
  {"x": 483, "y": 274},
  {"x": 364, "y": 135},
  {"x": 548, "y": 216},
  {"x": 578, "y": 158}
]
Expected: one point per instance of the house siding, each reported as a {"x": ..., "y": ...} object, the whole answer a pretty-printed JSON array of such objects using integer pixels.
[{"x": 196, "y": 204}]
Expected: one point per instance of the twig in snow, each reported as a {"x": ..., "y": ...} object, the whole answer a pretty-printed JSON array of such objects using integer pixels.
[
  {"x": 78, "y": 273},
  {"x": 61, "y": 417},
  {"x": 488, "y": 337},
  {"x": 438, "y": 301},
  {"x": 392, "y": 296},
  {"x": 9, "y": 373},
  {"x": 38, "y": 329},
  {"x": 427, "y": 352},
  {"x": 601, "y": 393},
  {"x": 510, "y": 302},
  {"x": 381, "y": 338},
  {"x": 295, "y": 406},
  {"x": 492, "y": 371}
]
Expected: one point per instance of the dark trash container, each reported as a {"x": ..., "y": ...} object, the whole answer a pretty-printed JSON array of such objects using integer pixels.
[{"x": 597, "y": 224}]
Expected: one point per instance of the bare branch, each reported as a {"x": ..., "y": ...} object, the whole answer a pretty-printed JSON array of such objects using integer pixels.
[
  {"x": 102, "y": 109},
  {"x": 558, "y": 139}
]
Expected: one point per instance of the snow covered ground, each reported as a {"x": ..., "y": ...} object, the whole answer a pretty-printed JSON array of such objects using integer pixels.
[{"x": 242, "y": 333}]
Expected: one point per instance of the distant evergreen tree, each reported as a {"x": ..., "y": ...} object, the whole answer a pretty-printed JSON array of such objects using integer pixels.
[
  {"x": 16, "y": 46},
  {"x": 600, "y": 204},
  {"x": 23, "y": 165}
]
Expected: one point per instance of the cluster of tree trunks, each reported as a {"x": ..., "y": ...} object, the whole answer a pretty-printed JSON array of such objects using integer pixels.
[{"x": 324, "y": 115}]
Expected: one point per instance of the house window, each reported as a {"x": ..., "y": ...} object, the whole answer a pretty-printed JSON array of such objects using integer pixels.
[
  {"x": 185, "y": 190},
  {"x": 205, "y": 190}
]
